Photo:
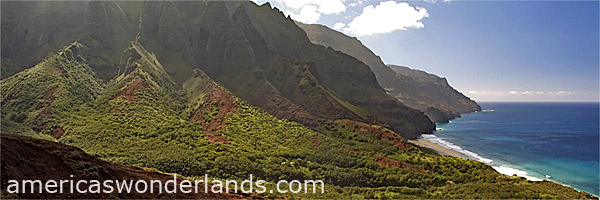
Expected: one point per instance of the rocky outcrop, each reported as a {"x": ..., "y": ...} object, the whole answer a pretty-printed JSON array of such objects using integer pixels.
[{"x": 438, "y": 116}]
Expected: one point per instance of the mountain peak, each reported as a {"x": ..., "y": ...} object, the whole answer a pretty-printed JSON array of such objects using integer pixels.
[{"x": 139, "y": 63}]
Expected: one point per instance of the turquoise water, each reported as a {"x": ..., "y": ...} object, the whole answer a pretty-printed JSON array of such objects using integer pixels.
[{"x": 555, "y": 141}]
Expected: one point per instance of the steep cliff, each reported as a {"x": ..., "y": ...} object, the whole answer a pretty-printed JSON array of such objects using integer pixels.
[
  {"x": 180, "y": 94},
  {"x": 426, "y": 92},
  {"x": 229, "y": 41},
  {"x": 453, "y": 103}
]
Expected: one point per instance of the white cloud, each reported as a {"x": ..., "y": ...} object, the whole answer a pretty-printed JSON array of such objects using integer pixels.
[
  {"x": 310, "y": 11},
  {"x": 531, "y": 95},
  {"x": 338, "y": 26},
  {"x": 259, "y": 2},
  {"x": 435, "y": 1},
  {"x": 330, "y": 6},
  {"x": 561, "y": 92},
  {"x": 355, "y": 3},
  {"x": 383, "y": 18},
  {"x": 526, "y": 92},
  {"x": 308, "y": 14},
  {"x": 386, "y": 17}
]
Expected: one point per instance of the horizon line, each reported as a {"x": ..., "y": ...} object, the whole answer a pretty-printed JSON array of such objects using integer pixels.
[{"x": 539, "y": 101}]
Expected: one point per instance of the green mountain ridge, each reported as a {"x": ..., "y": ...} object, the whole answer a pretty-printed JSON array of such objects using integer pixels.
[
  {"x": 223, "y": 39},
  {"x": 167, "y": 109},
  {"x": 428, "y": 93},
  {"x": 62, "y": 79},
  {"x": 201, "y": 128}
]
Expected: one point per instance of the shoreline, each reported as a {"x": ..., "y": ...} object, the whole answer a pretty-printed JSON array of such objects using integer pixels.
[
  {"x": 436, "y": 147},
  {"x": 510, "y": 172}
]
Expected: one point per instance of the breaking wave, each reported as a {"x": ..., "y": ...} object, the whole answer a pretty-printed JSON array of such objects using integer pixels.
[
  {"x": 449, "y": 145},
  {"x": 472, "y": 155}
]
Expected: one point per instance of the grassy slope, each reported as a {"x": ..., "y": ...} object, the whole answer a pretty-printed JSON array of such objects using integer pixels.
[
  {"x": 36, "y": 99},
  {"x": 143, "y": 126},
  {"x": 273, "y": 149}
]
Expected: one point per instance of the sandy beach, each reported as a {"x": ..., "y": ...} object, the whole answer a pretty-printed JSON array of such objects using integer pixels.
[{"x": 436, "y": 147}]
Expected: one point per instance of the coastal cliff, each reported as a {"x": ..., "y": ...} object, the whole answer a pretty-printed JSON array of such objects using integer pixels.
[
  {"x": 223, "y": 89},
  {"x": 417, "y": 89},
  {"x": 444, "y": 104}
]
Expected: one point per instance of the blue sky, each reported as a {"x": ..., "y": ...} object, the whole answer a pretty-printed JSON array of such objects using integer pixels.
[{"x": 490, "y": 51}]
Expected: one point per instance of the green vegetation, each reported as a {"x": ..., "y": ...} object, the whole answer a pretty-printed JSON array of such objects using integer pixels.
[
  {"x": 223, "y": 39},
  {"x": 144, "y": 134},
  {"x": 152, "y": 114},
  {"x": 140, "y": 118},
  {"x": 35, "y": 99}
]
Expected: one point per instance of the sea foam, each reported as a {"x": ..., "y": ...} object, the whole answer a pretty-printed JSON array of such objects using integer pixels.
[
  {"x": 449, "y": 145},
  {"x": 469, "y": 154},
  {"x": 512, "y": 171}
]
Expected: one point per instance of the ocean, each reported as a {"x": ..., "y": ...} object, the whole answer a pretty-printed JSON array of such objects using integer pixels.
[{"x": 555, "y": 141}]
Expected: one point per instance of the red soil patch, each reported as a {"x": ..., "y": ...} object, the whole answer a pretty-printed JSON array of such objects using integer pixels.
[
  {"x": 384, "y": 135},
  {"x": 270, "y": 100},
  {"x": 316, "y": 142},
  {"x": 57, "y": 132},
  {"x": 46, "y": 113},
  {"x": 129, "y": 92},
  {"x": 388, "y": 162},
  {"x": 60, "y": 67},
  {"x": 25, "y": 158},
  {"x": 46, "y": 100},
  {"x": 49, "y": 95},
  {"x": 226, "y": 104}
]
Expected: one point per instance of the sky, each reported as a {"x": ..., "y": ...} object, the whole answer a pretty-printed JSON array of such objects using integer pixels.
[{"x": 488, "y": 50}]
